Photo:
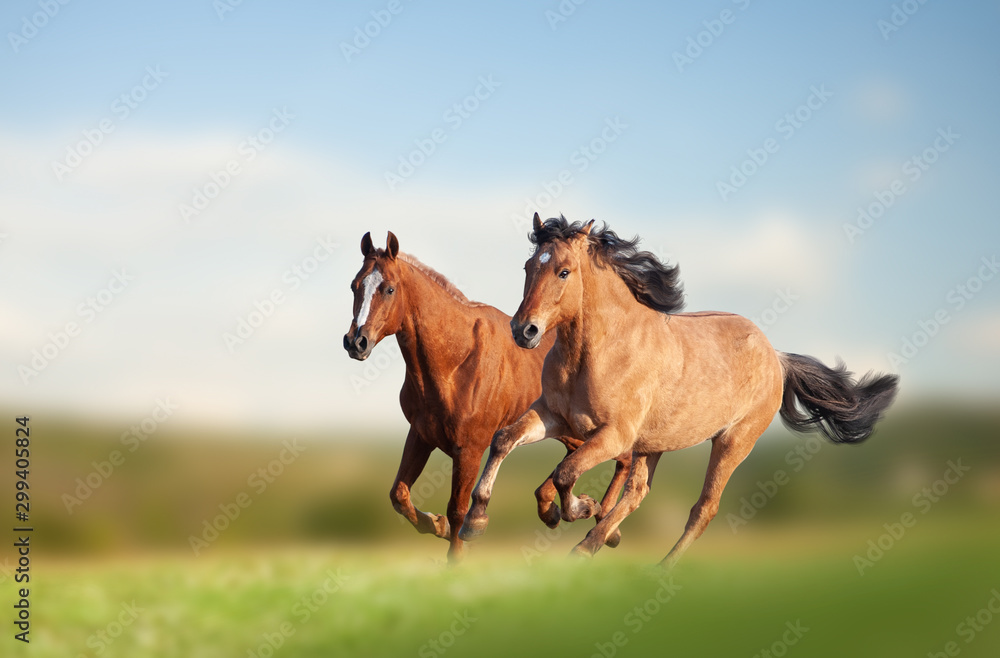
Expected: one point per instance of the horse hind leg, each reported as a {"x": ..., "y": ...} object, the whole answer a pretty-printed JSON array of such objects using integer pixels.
[
  {"x": 729, "y": 449},
  {"x": 548, "y": 509}
]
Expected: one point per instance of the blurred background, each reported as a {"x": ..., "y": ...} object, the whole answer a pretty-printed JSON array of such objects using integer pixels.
[{"x": 183, "y": 191}]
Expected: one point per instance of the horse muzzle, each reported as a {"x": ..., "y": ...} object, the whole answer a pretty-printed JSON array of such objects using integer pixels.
[
  {"x": 527, "y": 335},
  {"x": 358, "y": 346}
]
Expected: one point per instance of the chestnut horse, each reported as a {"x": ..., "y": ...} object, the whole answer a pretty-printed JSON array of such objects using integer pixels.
[
  {"x": 465, "y": 377},
  {"x": 628, "y": 372}
]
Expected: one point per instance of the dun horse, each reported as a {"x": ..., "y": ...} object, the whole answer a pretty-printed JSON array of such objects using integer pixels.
[
  {"x": 465, "y": 377},
  {"x": 629, "y": 373}
]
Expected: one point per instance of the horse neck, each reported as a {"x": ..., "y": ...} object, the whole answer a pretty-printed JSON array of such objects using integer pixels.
[
  {"x": 433, "y": 336},
  {"x": 603, "y": 313}
]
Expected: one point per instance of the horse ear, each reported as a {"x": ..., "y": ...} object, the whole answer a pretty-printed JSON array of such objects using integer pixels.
[
  {"x": 536, "y": 223},
  {"x": 586, "y": 229},
  {"x": 366, "y": 245},
  {"x": 391, "y": 245}
]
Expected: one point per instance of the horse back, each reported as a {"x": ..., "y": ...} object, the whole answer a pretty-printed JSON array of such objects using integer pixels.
[{"x": 724, "y": 369}]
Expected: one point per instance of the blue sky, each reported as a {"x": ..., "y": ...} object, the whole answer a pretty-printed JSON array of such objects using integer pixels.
[{"x": 773, "y": 248}]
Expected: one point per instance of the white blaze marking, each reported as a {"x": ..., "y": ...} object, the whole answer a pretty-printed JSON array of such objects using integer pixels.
[
  {"x": 371, "y": 284},
  {"x": 544, "y": 258}
]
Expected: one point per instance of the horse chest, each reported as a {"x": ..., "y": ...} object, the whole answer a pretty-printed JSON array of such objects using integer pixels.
[
  {"x": 571, "y": 396},
  {"x": 573, "y": 409}
]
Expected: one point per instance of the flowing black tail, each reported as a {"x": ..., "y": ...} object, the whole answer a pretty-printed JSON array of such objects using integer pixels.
[{"x": 844, "y": 410}]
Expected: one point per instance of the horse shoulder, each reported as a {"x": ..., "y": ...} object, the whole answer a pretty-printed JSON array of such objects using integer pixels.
[
  {"x": 483, "y": 352},
  {"x": 483, "y": 375}
]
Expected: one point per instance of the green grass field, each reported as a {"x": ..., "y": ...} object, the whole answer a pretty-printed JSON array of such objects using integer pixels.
[
  {"x": 731, "y": 596},
  {"x": 321, "y": 565}
]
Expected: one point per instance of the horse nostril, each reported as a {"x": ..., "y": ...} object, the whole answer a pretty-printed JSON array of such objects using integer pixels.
[
  {"x": 347, "y": 342},
  {"x": 530, "y": 331},
  {"x": 361, "y": 343}
]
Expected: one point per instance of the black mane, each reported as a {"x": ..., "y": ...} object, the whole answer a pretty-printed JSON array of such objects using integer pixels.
[{"x": 653, "y": 283}]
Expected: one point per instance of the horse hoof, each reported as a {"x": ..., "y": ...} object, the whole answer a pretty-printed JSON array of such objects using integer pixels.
[
  {"x": 434, "y": 524},
  {"x": 551, "y": 517},
  {"x": 473, "y": 528},
  {"x": 456, "y": 553},
  {"x": 580, "y": 553},
  {"x": 614, "y": 539},
  {"x": 668, "y": 563},
  {"x": 442, "y": 528},
  {"x": 590, "y": 508},
  {"x": 593, "y": 508},
  {"x": 653, "y": 571}
]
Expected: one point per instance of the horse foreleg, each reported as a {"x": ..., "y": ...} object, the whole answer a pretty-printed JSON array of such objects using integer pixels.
[
  {"x": 638, "y": 480},
  {"x": 607, "y": 443},
  {"x": 623, "y": 464},
  {"x": 529, "y": 428},
  {"x": 464, "y": 466},
  {"x": 415, "y": 455},
  {"x": 545, "y": 494},
  {"x": 728, "y": 451}
]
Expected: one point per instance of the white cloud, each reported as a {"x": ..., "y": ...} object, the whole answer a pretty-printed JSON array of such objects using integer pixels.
[
  {"x": 164, "y": 334},
  {"x": 771, "y": 250},
  {"x": 979, "y": 336},
  {"x": 879, "y": 100}
]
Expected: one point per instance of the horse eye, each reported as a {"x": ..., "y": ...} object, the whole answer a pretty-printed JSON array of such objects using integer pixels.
[
  {"x": 390, "y": 290},
  {"x": 564, "y": 274}
]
